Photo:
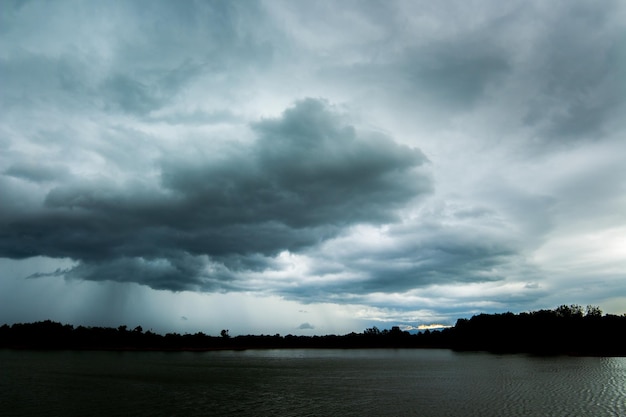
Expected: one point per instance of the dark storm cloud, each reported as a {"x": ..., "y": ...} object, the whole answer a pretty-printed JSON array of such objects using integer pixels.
[
  {"x": 176, "y": 271},
  {"x": 306, "y": 177},
  {"x": 306, "y": 170}
]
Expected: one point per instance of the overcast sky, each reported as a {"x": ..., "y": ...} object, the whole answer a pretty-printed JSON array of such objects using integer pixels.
[{"x": 310, "y": 167}]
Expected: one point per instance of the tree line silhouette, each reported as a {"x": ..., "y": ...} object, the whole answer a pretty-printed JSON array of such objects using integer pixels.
[{"x": 565, "y": 330}]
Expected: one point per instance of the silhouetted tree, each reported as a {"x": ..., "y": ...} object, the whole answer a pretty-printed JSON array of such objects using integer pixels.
[
  {"x": 573, "y": 310},
  {"x": 373, "y": 331},
  {"x": 593, "y": 311},
  {"x": 562, "y": 330}
]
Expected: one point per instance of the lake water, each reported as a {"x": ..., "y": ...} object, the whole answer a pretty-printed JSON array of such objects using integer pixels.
[{"x": 308, "y": 383}]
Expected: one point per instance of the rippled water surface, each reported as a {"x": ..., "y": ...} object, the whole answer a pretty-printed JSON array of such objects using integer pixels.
[{"x": 309, "y": 383}]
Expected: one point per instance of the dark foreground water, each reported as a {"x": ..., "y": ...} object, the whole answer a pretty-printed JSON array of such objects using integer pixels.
[{"x": 308, "y": 383}]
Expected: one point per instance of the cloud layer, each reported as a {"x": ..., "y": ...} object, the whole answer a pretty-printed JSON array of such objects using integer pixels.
[{"x": 417, "y": 160}]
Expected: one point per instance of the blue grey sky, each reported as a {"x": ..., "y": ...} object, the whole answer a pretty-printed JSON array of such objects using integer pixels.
[{"x": 310, "y": 167}]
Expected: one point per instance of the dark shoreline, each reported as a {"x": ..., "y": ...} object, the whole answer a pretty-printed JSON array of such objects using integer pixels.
[{"x": 563, "y": 331}]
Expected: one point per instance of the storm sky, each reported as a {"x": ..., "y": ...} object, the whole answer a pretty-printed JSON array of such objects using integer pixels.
[{"x": 310, "y": 167}]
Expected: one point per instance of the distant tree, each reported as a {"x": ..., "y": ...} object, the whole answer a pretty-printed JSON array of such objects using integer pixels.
[
  {"x": 138, "y": 329},
  {"x": 373, "y": 331},
  {"x": 573, "y": 310},
  {"x": 224, "y": 334},
  {"x": 593, "y": 311},
  {"x": 395, "y": 330}
]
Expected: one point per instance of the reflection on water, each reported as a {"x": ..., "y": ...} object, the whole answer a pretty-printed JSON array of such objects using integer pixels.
[{"x": 309, "y": 382}]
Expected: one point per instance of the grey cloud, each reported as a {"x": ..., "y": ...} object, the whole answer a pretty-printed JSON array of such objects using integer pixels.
[
  {"x": 132, "y": 60},
  {"x": 33, "y": 80},
  {"x": 149, "y": 90},
  {"x": 443, "y": 72},
  {"x": 176, "y": 272},
  {"x": 575, "y": 73},
  {"x": 558, "y": 67},
  {"x": 71, "y": 81},
  {"x": 37, "y": 172},
  {"x": 441, "y": 247},
  {"x": 200, "y": 40},
  {"x": 442, "y": 260},
  {"x": 307, "y": 169},
  {"x": 455, "y": 72},
  {"x": 199, "y": 118},
  {"x": 307, "y": 176},
  {"x": 130, "y": 95},
  {"x": 306, "y": 326}
]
